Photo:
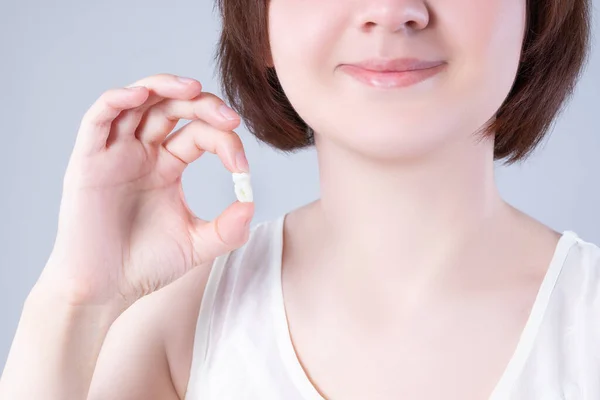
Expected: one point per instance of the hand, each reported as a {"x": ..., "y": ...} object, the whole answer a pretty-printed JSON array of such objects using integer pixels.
[{"x": 124, "y": 228}]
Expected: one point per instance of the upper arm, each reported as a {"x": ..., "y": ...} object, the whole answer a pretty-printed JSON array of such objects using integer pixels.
[{"x": 147, "y": 352}]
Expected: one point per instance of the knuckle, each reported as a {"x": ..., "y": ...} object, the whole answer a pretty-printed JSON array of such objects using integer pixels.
[
  {"x": 95, "y": 114},
  {"x": 148, "y": 80},
  {"x": 104, "y": 99},
  {"x": 216, "y": 100},
  {"x": 234, "y": 141},
  {"x": 169, "y": 109},
  {"x": 161, "y": 77},
  {"x": 202, "y": 107},
  {"x": 206, "y": 97},
  {"x": 164, "y": 75},
  {"x": 163, "y": 107},
  {"x": 214, "y": 103},
  {"x": 209, "y": 95}
]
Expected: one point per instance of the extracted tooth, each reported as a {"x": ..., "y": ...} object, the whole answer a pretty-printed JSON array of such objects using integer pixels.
[{"x": 243, "y": 189}]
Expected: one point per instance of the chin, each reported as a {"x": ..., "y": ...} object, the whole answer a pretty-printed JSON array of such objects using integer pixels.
[{"x": 391, "y": 144}]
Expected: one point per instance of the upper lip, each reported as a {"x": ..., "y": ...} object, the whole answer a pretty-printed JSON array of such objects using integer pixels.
[{"x": 396, "y": 64}]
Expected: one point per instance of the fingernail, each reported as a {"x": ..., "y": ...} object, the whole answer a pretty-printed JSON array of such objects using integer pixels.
[
  {"x": 227, "y": 112},
  {"x": 242, "y": 162},
  {"x": 184, "y": 80}
]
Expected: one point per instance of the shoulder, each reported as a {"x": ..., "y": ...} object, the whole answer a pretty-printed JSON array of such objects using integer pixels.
[
  {"x": 581, "y": 272},
  {"x": 585, "y": 254}
]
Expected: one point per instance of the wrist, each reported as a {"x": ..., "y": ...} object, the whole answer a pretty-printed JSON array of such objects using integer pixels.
[
  {"x": 74, "y": 301},
  {"x": 68, "y": 286}
]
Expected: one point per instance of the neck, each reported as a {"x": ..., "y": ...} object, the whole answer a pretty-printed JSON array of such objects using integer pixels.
[{"x": 411, "y": 222}]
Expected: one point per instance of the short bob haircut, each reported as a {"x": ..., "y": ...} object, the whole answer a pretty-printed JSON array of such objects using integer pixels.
[{"x": 554, "y": 51}]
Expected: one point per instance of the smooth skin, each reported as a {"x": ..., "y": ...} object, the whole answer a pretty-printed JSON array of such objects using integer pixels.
[
  {"x": 410, "y": 278},
  {"x": 124, "y": 232}
]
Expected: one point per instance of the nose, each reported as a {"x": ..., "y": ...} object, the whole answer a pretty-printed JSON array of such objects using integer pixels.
[{"x": 392, "y": 15}]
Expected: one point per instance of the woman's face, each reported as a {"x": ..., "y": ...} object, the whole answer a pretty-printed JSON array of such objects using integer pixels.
[{"x": 479, "y": 42}]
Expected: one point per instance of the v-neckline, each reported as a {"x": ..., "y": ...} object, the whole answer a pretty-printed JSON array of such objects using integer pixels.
[{"x": 512, "y": 369}]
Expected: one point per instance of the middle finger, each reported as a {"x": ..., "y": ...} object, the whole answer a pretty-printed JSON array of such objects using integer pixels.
[{"x": 159, "y": 120}]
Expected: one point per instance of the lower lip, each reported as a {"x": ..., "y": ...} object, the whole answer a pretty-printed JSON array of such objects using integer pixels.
[{"x": 391, "y": 80}]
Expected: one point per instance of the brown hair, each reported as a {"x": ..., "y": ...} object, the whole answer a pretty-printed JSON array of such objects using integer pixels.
[{"x": 554, "y": 52}]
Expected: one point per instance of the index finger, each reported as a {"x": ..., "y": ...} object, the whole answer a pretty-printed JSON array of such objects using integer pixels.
[
  {"x": 99, "y": 117},
  {"x": 168, "y": 86}
]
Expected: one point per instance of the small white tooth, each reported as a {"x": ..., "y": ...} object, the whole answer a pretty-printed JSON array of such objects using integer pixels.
[{"x": 243, "y": 188}]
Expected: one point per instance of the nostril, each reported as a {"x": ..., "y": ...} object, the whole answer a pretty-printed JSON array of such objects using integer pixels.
[{"x": 369, "y": 25}]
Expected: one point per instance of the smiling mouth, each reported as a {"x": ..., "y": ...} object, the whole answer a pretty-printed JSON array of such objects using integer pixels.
[{"x": 391, "y": 79}]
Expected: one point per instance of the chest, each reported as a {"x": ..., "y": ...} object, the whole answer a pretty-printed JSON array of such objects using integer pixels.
[{"x": 459, "y": 351}]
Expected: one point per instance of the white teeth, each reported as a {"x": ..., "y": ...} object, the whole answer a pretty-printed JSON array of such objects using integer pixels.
[{"x": 243, "y": 190}]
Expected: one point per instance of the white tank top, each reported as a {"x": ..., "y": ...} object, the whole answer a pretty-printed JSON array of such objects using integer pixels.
[{"x": 242, "y": 348}]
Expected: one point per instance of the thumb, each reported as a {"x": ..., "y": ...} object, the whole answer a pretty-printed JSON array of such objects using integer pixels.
[{"x": 229, "y": 231}]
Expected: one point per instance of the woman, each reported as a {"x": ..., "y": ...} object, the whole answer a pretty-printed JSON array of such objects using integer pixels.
[{"x": 410, "y": 277}]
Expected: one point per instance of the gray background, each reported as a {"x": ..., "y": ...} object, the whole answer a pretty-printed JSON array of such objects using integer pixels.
[{"x": 58, "y": 57}]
